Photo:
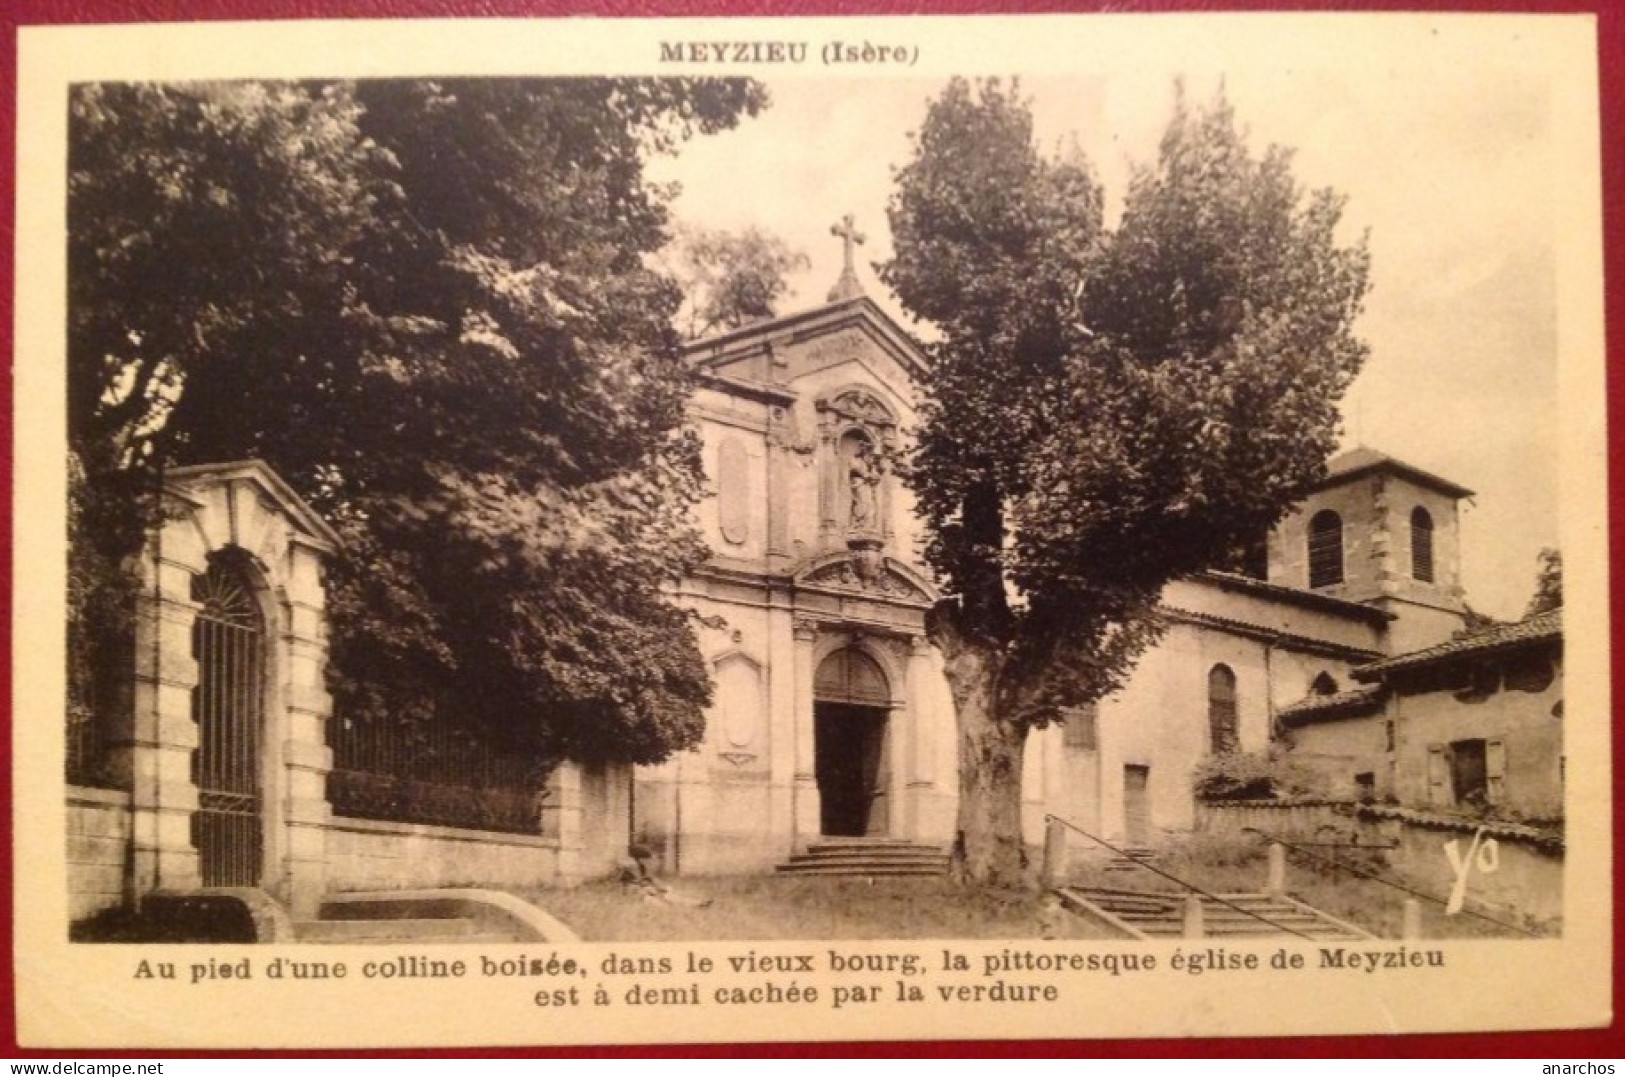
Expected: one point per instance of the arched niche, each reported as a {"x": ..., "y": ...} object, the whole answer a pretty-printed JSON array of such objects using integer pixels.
[
  {"x": 734, "y": 491},
  {"x": 739, "y": 701},
  {"x": 857, "y": 436}
]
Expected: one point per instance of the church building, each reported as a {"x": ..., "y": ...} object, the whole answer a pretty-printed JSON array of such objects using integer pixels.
[{"x": 832, "y": 718}]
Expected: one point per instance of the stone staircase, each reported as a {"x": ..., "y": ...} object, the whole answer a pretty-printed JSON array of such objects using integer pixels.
[
  {"x": 1130, "y": 860},
  {"x": 1146, "y": 914},
  {"x": 872, "y": 857}
]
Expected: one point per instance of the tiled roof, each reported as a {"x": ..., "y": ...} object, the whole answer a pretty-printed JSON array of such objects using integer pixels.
[
  {"x": 1547, "y": 836},
  {"x": 1235, "y": 581},
  {"x": 1266, "y": 634},
  {"x": 1328, "y": 708},
  {"x": 1361, "y": 459},
  {"x": 1538, "y": 629}
]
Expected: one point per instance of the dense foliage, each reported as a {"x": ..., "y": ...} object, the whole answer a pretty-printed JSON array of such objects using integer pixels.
[
  {"x": 1267, "y": 775},
  {"x": 730, "y": 279},
  {"x": 427, "y": 305},
  {"x": 1548, "y": 594},
  {"x": 1106, "y": 409}
]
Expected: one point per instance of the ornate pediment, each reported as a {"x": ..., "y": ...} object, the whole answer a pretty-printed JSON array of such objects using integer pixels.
[
  {"x": 857, "y": 404},
  {"x": 867, "y": 573}
]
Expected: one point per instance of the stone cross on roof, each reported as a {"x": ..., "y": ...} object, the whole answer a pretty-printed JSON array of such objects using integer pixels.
[{"x": 847, "y": 287}]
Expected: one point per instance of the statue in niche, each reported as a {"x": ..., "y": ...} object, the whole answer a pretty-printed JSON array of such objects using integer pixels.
[{"x": 863, "y": 478}]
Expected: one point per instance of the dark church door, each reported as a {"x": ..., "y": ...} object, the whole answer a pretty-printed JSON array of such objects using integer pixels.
[
  {"x": 850, "y": 744},
  {"x": 850, "y": 712}
]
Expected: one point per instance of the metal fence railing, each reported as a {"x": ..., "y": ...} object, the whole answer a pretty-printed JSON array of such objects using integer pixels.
[
  {"x": 1185, "y": 885},
  {"x": 88, "y": 757},
  {"x": 433, "y": 774}
]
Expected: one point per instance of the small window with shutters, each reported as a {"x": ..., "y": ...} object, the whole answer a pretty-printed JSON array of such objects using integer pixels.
[
  {"x": 1467, "y": 773},
  {"x": 1365, "y": 786}
]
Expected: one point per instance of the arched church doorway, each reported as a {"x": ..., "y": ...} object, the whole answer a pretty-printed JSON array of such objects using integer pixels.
[
  {"x": 228, "y": 704},
  {"x": 851, "y": 705}
]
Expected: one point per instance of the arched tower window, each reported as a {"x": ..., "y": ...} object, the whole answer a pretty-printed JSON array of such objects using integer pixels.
[
  {"x": 1421, "y": 545},
  {"x": 1323, "y": 684},
  {"x": 1221, "y": 709},
  {"x": 1325, "y": 549}
]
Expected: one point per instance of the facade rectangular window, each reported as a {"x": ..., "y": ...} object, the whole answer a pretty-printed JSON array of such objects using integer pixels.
[
  {"x": 1224, "y": 726},
  {"x": 1467, "y": 771},
  {"x": 1081, "y": 728},
  {"x": 1365, "y": 786}
]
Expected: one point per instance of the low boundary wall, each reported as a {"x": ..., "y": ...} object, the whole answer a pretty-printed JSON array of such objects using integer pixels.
[{"x": 1516, "y": 872}]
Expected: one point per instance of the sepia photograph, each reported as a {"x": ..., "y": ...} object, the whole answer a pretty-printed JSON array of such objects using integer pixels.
[{"x": 991, "y": 527}]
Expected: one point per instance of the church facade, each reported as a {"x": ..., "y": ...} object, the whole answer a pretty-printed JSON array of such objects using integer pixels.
[{"x": 831, "y": 716}]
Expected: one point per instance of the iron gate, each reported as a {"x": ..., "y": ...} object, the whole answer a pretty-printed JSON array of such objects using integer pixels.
[{"x": 228, "y": 704}]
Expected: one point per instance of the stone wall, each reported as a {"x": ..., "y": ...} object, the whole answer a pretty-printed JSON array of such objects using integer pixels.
[
  {"x": 1525, "y": 886},
  {"x": 367, "y": 854},
  {"x": 1291, "y": 820},
  {"x": 584, "y": 836},
  {"x": 98, "y": 849}
]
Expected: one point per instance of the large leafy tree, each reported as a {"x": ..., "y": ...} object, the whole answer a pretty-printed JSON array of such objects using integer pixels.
[
  {"x": 730, "y": 279},
  {"x": 1105, "y": 410},
  {"x": 427, "y": 305}
]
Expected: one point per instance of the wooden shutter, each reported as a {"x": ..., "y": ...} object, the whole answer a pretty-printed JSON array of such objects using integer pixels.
[
  {"x": 1495, "y": 768},
  {"x": 1438, "y": 775}
]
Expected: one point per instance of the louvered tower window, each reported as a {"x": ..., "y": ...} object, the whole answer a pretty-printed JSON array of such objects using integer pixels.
[
  {"x": 1325, "y": 549},
  {"x": 1421, "y": 545}
]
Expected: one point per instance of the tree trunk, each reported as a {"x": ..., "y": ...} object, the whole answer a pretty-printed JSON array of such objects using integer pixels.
[{"x": 989, "y": 848}]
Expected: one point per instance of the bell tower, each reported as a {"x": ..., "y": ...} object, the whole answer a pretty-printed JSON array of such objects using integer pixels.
[{"x": 1383, "y": 533}]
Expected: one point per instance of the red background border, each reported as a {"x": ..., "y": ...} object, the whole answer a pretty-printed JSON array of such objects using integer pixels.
[{"x": 1598, "y": 1043}]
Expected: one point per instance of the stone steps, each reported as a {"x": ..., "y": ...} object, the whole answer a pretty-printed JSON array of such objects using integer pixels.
[
  {"x": 1130, "y": 859},
  {"x": 1158, "y": 915},
  {"x": 430, "y": 916},
  {"x": 425, "y": 930},
  {"x": 867, "y": 857}
]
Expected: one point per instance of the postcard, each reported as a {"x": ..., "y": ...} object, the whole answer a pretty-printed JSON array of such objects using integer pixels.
[{"x": 549, "y": 532}]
